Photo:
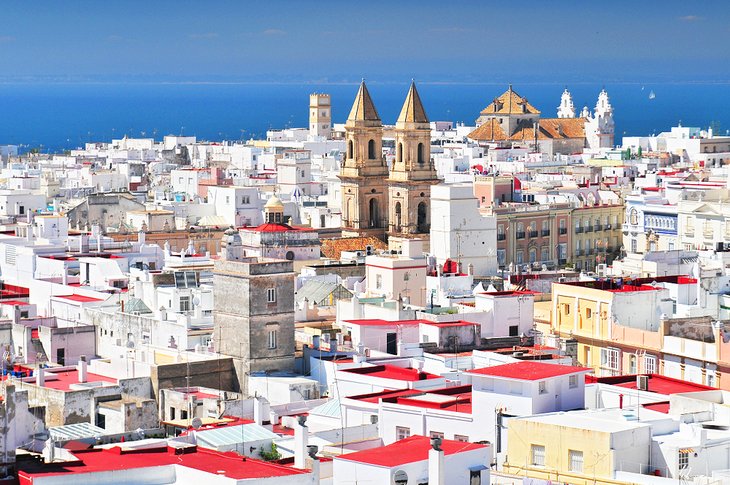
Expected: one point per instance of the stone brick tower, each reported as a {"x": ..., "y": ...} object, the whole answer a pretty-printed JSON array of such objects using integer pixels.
[
  {"x": 413, "y": 172},
  {"x": 364, "y": 172},
  {"x": 253, "y": 311}
]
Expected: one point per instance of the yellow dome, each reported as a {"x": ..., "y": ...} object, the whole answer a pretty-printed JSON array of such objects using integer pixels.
[{"x": 274, "y": 203}]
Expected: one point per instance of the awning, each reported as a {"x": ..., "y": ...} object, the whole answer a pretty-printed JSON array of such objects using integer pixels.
[
  {"x": 478, "y": 468},
  {"x": 686, "y": 450}
]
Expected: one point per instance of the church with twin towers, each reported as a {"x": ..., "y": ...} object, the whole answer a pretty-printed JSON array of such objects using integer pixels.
[{"x": 378, "y": 200}]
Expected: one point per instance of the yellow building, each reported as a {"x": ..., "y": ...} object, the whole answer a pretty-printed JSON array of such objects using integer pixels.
[
  {"x": 597, "y": 234},
  {"x": 578, "y": 447},
  {"x": 587, "y": 312}
]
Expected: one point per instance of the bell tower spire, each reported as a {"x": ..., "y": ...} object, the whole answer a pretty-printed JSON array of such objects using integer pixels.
[
  {"x": 413, "y": 173},
  {"x": 364, "y": 171}
]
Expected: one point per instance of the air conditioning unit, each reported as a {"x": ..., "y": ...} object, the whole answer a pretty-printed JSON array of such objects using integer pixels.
[
  {"x": 642, "y": 383},
  {"x": 368, "y": 250}
]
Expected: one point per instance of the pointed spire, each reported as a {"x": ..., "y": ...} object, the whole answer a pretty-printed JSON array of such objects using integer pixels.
[
  {"x": 412, "y": 111},
  {"x": 363, "y": 108}
]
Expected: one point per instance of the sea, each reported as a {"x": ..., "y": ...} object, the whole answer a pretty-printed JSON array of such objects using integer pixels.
[{"x": 56, "y": 116}]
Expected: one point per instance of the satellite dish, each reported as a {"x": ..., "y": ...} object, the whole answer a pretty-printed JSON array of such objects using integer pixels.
[
  {"x": 196, "y": 301},
  {"x": 400, "y": 477},
  {"x": 196, "y": 423}
]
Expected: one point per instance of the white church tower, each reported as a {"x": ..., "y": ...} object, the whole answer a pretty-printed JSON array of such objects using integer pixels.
[
  {"x": 600, "y": 127},
  {"x": 566, "y": 108}
]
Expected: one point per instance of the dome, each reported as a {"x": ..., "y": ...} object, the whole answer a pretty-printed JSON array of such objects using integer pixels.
[{"x": 274, "y": 203}]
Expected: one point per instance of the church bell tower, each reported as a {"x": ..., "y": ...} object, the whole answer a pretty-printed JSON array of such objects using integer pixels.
[
  {"x": 364, "y": 172},
  {"x": 413, "y": 173}
]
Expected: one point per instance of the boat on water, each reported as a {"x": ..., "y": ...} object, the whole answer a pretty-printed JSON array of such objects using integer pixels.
[{"x": 652, "y": 95}]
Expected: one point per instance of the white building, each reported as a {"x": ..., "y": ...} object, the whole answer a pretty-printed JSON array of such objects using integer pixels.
[
  {"x": 459, "y": 232},
  {"x": 416, "y": 460}
]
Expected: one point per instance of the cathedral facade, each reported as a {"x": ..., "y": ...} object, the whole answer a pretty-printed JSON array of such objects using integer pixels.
[{"x": 381, "y": 200}]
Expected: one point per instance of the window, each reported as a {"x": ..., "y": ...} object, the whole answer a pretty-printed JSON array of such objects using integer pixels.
[
  {"x": 589, "y": 313},
  {"x": 542, "y": 387},
  {"x": 271, "y": 295},
  {"x": 575, "y": 461},
  {"x": 461, "y": 437},
  {"x": 436, "y": 434},
  {"x": 632, "y": 364},
  {"x": 649, "y": 364},
  {"x": 573, "y": 381},
  {"x": 566, "y": 308},
  {"x": 245, "y": 199},
  {"x": 272, "y": 339},
  {"x": 538, "y": 455},
  {"x": 402, "y": 432},
  {"x": 184, "y": 303},
  {"x": 378, "y": 282},
  {"x": 610, "y": 359},
  {"x": 683, "y": 460}
]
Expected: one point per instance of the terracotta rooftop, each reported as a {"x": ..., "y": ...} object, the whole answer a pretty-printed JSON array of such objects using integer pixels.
[
  {"x": 489, "y": 131},
  {"x": 332, "y": 248},
  {"x": 510, "y": 102}
]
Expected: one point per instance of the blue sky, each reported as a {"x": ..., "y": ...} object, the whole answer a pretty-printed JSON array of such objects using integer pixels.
[{"x": 473, "y": 41}]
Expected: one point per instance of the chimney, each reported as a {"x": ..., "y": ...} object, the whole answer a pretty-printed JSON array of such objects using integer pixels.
[
  {"x": 40, "y": 376},
  {"x": 436, "y": 463},
  {"x": 315, "y": 342},
  {"x": 261, "y": 410},
  {"x": 141, "y": 237},
  {"x": 82, "y": 368},
  {"x": 301, "y": 433},
  {"x": 359, "y": 357}
]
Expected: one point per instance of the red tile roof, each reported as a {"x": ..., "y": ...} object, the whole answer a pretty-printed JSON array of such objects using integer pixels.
[
  {"x": 529, "y": 370},
  {"x": 657, "y": 383},
  {"x": 114, "y": 459},
  {"x": 409, "y": 450},
  {"x": 62, "y": 380},
  {"x": 386, "y": 371}
]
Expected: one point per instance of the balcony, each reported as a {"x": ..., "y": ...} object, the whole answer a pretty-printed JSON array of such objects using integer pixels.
[
  {"x": 589, "y": 229},
  {"x": 607, "y": 227},
  {"x": 501, "y": 237},
  {"x": 689, "y": 232},
  {"x": 597, "y": 227},
  {"x": 533, "y": 233},
  {"x": 545, "y": 232},
  {"x": 520, "y": 234},
  {"x": 563, "y": 230},
  {"x": 589, "y": 251},
  {"x": 562, "y": 261},
  {"x": 578, "y": 252},
  {"x": 578, "y": 230}
]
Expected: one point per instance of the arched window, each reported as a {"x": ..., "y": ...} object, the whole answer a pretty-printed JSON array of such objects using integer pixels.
[
  {"x": 420, "y": 153},
  {"x": 422, "y": 222},
  {"x": 397, "y": 216},
  {"x": 350, "y": 148},
  {"x": 374, "y": 216},
  {"x": 399, "y": 155},
  {"x": 371, "y": 150}
]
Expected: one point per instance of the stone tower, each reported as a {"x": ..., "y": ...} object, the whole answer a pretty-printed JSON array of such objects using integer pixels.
[
  {"x": 320, "y": 115},
  {"x": 413, "y": 173},
  {"x": 364, "y": 172},
  {"x": 253, "y": 311}
]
